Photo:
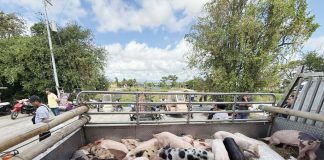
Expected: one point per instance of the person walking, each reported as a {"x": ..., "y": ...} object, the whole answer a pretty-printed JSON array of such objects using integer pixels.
[
  {"x": 41, "y": 116},
  {"x": 53, "y": 102}
]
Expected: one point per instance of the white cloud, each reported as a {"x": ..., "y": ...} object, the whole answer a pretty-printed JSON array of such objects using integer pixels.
[
  {"x": 138, "y": 60},
  {"x": 115, "y": 15},
  {"x": 315, "y": 44},
  {"x": 61, "y": 11}
]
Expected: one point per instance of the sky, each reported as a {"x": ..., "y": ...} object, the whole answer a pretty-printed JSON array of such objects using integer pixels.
[{"x": 144, "y": 38}]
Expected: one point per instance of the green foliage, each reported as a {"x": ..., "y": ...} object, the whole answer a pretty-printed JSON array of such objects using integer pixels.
[
  {"x": 170, "y": 79},
  {"x": 314, "y": 61},
  {"x": 10, "y": 25},
  {"x": 126, "y": 82},
  {"x": 197, "y": 84},
  {"x": 26, "y": 66},
  {"x": 240, "y": 44}
]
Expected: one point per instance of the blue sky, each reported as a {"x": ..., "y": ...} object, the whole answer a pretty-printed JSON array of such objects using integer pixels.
[{"x": 144, "y": 38}]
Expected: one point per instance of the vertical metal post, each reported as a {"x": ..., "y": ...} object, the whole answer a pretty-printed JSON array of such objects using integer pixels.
[
  {"x": 309, "y": 83},
  {"x": 300, "y": 80},
  {"x": 319, "y": 107},
  {"x": 189, "y": 109},
  {"x": 51, "y": 48},
  {"x": 313, "y": 97},
  {"x": 137, "y": 106},
  {"x": 233, "y": 107}
]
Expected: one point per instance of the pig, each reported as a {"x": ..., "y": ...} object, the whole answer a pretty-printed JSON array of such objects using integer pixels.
[
  {"x": 188, "y": 138},
  {"x": 201, "y": 144},
  {"x": 166, "y": 138},
  {"x": 80, "y": 154},
  {"x": 233, "y": 149},
  {"x": 145, "y": 148},
  {"x": 118, "y": 149},
  {"x": 141, "y": 158},
  {"x": 168, "y": 153},
  {"x": 219, "y": 150},
  {"x": 130, "y": 143},
  {"x": 149, "y": 153},
  {"x": 306, "y": 143},
  {"x": 146, "y": 145},
  {"x": 249, "y": 146},
  {"x": 101, "y": 153}
]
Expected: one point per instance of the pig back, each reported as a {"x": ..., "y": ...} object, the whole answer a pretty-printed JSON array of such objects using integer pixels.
[
  {"x": 287, "y": 137},
  {"x": 219, "y": 150}
]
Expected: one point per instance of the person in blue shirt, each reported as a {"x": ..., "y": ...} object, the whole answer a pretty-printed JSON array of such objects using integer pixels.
[{"x": 41, "y": 116}]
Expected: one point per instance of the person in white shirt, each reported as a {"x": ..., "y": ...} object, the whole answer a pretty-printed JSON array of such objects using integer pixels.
[
  {"x": 218, "y": 116},
  {"x": 41, "y": 116}
]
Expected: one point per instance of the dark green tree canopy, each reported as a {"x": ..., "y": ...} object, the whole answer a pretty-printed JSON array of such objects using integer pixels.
[
  {"x": 314, "y": 61},
  {"x": 240, "y": 43},
  {"x": 26, "y": 67}
]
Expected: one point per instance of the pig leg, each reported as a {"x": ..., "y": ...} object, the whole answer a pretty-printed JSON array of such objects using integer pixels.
[
  {"x": 302, "y": 152},
  {"x": 311, "y": 154},
  {"x": 274, "y": 141}
]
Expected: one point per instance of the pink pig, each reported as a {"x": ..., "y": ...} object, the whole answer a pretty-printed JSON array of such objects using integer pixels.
[
  {"x": 306, "y": 143},
  {"x": 116, "y": 148},
  {"x": 169, "y": 139}
]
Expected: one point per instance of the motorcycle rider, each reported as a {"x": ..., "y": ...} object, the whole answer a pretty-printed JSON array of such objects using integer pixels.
[
  {"x": 53, "y": 102},
  {"x": 41, "y": 116}
]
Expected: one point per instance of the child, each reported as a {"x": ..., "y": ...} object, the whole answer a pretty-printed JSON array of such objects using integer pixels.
[{"x": 218, "y": 116}]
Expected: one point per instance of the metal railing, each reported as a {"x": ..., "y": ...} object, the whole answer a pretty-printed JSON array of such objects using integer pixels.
[{"x": 189, "y": 111}]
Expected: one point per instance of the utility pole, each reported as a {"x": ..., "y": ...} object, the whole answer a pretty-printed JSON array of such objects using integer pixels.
[{"x": 51, "y": 47}]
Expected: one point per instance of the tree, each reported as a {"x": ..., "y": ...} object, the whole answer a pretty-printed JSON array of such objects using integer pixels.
[
  {"x": 11, "y": 25},
  {"x": 314, "y": 61},
  {"x": 197, "y": 84},
  {"x": 240, "y": 44},
  {"x": 117, "y": 82},
  {"x": 26, "y": 68},
  {"x": 173, "y": 79},
  {"x": 163, "y": 81}
]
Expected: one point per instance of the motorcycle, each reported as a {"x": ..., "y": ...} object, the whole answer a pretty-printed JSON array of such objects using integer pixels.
[{"x": 24, "y": 107}]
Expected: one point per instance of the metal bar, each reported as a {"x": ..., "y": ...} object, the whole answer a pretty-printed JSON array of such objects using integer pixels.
[
  {"x": 233, "y": 108},
  {"x": 295, "y": 98},
  {"x": 319, "y": 107},
  {"x": 168, "y": 93},
  {"x": 175, "y": 112},
  {"x": 175, "y": 93},
  {"x": 157, "y": 103},
  {"x": 20, "y": 136},
  {"x": 182, "y": 122},
  {"x": 309, "y": 83},
  {"x": 291, "y": 86},
  {"x": 311, "y": 116},
  {"x": 300, "y": 80},
  {"x": 313, "y": 97},
  {"x": 137, "y": 106},
  {"x": 42, "y": 146},
  {"x": 314, "y": 74},
  {"x": 188, "y": 110}
]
